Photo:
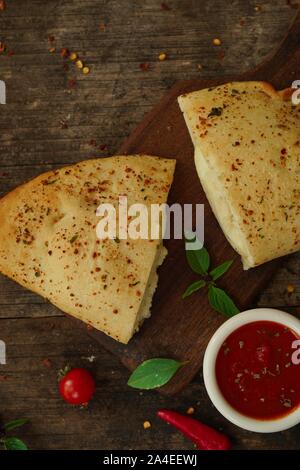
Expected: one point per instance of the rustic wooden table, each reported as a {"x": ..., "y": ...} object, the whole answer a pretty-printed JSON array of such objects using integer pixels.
[{"x": 56, "y": 115}]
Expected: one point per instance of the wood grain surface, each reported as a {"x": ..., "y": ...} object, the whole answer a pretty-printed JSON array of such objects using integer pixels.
[{"x": 47, "y": 123}]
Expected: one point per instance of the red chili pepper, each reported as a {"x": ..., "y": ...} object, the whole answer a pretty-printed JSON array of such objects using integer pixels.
[{"x": 203, "y": 436}]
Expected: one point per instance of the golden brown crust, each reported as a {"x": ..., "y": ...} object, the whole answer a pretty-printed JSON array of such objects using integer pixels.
[
  {"x": 247, "y": 152},
  {"x": 48, "y": 239}
]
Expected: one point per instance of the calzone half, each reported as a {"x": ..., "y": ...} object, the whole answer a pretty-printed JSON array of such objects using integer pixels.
[
  {"x": 48, "y": 240},
  {"x": 247, "y": 153}
]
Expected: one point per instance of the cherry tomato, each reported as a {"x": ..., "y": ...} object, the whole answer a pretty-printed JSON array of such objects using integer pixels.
[{"x": 77, "y": 386}]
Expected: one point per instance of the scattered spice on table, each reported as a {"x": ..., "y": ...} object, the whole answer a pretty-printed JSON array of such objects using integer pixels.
[
  {"x": 103, "y": 147},
  {"x": 164, "y": 6},
  {"x": 64, "y": 52},
  {"x": 2, "y": 47},
  {"x": 217, "y": 42},
  {"x": 102, "y": 27},
  {"x": 72, "y": 83},
  {"x": 292, "y": 4},
  {"x": 190, "y": 410},
  {"x": 79, "y": 64},
  {"x": 146, "y": 424},
  {"x": 47, "y": 363},
  {"x": 290, "y": 288},
  {"x": 2, "y": 5},
  {"x": 162, "y": 56},
  {"x": 145, "y": 66},
  {"x": 73, "y": 56}
]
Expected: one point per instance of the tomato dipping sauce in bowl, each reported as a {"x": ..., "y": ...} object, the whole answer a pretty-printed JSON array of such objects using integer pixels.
[{"x": 250, "y": 371}]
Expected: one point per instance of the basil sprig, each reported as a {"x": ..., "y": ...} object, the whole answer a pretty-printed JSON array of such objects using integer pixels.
[
  {"x": 199, "y": 261},
  {"x": 154, "y": 373},
  {"x": 12, "y": 443}
]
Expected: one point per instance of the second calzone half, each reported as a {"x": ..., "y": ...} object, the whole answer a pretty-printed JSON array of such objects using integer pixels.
[
  {"x": 247, "y": 153},
  {"x": 48, "y": 240}
]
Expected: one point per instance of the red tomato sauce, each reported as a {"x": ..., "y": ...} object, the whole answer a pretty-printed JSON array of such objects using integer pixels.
[{"x": 255, "y": 373}]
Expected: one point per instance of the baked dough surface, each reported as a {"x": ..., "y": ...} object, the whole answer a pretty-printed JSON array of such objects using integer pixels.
[
  {"x": 247, "y": 154},
  {"x": 48, "y": 240}
]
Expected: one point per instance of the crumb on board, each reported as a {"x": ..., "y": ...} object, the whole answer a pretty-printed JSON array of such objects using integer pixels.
[
  {"x": 145, "y": 66},
  {"x": 290, "y": 288},
  {"x": 162, "y": 56},
  {"x": 190, "y": 410},
  {"x": 217, "y": 42},
  {"x": 73, "y": 56}
]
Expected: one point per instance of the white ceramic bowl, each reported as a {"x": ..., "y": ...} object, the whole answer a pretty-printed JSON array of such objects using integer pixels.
[{"x": 245, "y": 422}]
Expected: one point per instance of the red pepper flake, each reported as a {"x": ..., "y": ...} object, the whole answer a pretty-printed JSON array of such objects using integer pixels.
[
  {"x": 102, "y": 27},
  {"x": 63, "y": 124},
  {"x": 3, "y": 378},
  {"x": 2, "y": 47},
  {"x": 290, "y": 288},
  {"x": 47, "y": 362},
  {"x": 10, "y": 53},
  {"x": 221, "y": 55},
  {"x": 51, "y": 39},
  {"x": 292, "y": 4},
  {"x": 103, "y": 147},
  {"x": 165, "y": 7},
  {"x": 66, "y": 67},
  {"x": 72, "y": 83},
  {"x": 4, "y": 174},
  {"x": 145, "y": 66},
  {"x": 64, "y": 52},
  {"x": 2, "y": 5}
]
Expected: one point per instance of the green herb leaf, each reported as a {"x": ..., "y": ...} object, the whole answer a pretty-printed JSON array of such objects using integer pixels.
[
  {"x": 153, "y": 373},
  {"x": 221, "y": 302},
  {"x": 220, "y": 270},
  {"x": 198, "y": 259},
  {"x": 193, "y": 288},
  {"x": 13, "y": 443},
  {"x": 16, "y": 423}
]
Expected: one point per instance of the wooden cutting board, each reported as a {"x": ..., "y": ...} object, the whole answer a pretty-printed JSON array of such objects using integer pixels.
[{"x": 180, "y": 328}]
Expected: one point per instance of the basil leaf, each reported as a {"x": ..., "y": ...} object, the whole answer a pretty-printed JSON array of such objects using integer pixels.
[
  {"x": 15, "y": 424},
  {"x": 220, "y": 270},
  {"x": 193, "y": 288},
  {"x": 221, "y": 302},
  {"x": 199, "y": 259},
  {"x": 13, "y": 443},
  {"x": 153, "y": 373}
]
